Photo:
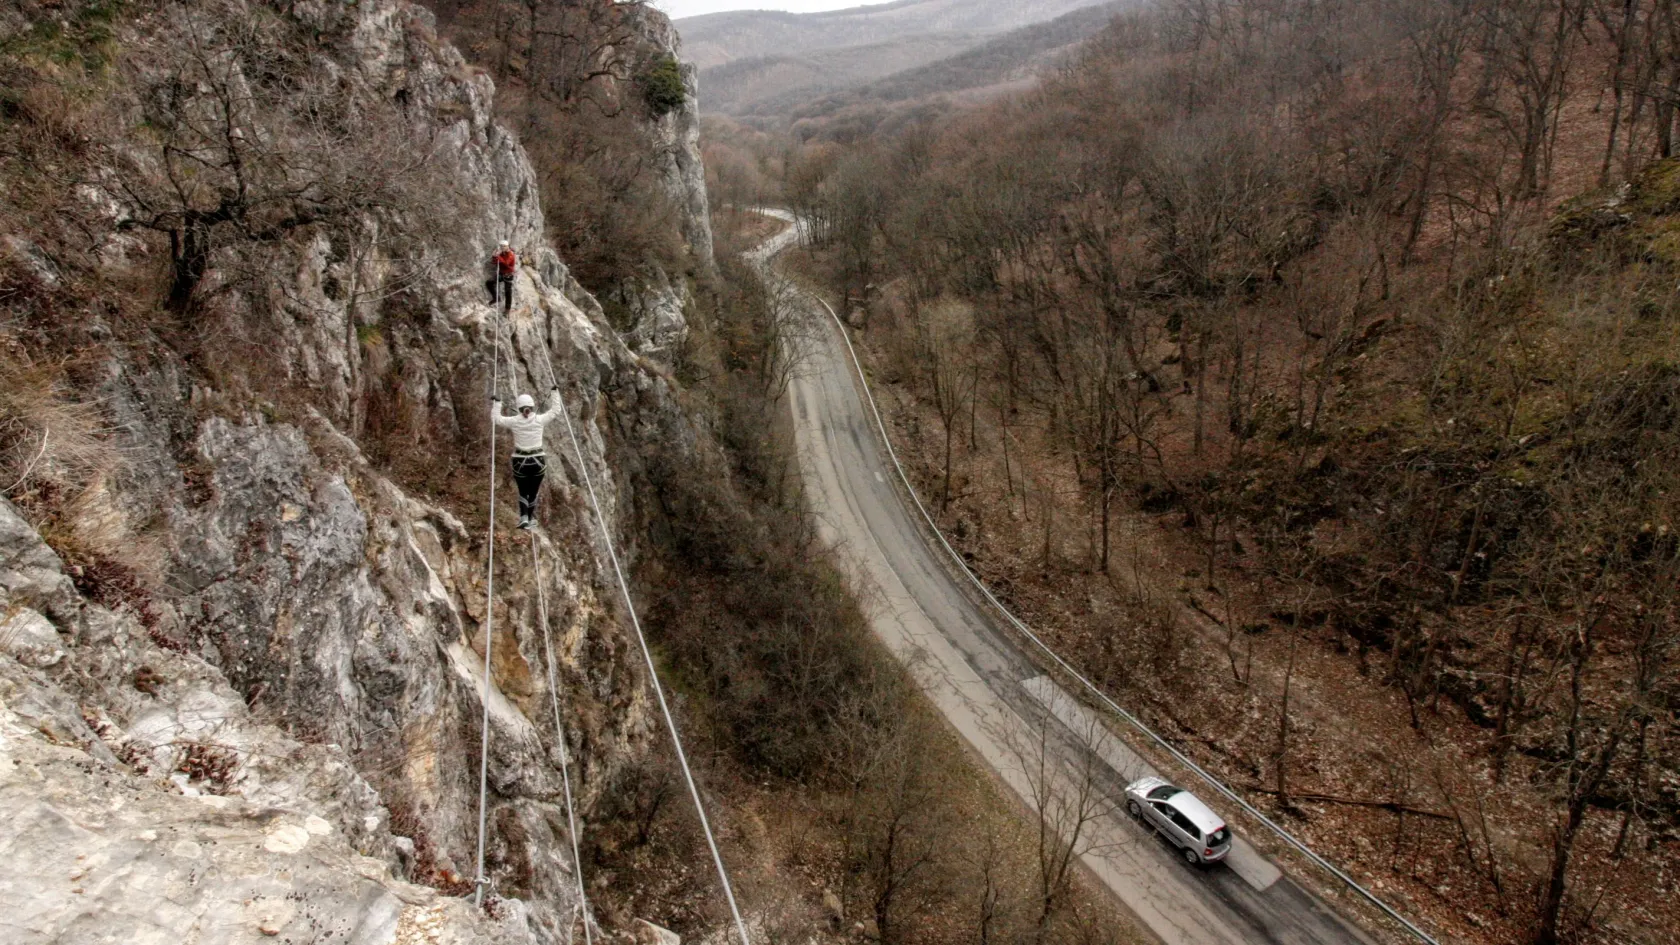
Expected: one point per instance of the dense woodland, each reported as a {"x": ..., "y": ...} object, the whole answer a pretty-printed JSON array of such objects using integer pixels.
[
  {"x": 819, "y": 762},
  {"x": 1374, "y": 304}
]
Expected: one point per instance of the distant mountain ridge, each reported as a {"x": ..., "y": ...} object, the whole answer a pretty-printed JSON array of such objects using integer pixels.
[
  {"x": 1011, "y": 58},
  {"x": 822, "y": 82},
  {"x": 717, "y": 38},
  {"x": 755, "y": 83}
]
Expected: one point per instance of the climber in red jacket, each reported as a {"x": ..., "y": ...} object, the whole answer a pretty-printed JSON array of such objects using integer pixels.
[{"x": 501, "y": 284}]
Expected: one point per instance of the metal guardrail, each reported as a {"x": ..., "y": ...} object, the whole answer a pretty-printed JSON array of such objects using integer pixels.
[{"x": 1102, "y": 697}]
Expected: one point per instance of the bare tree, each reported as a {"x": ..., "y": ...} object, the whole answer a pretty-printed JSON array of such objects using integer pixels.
[
  {"x": 895, "y": 818},
  {"x": 1530, "y": 49},
  {"x": 787, "y": 335},
  {"x": 944, "y": 340},
  {"x": 992, "y": 890},
  {"x": 1064, "y": 783},
  {"x": 252, "y": 141},
  {"x": 1438, "y": 37}
]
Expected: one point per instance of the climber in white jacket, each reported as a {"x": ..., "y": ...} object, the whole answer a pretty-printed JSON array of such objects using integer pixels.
[{"x": 529, "y": 463}]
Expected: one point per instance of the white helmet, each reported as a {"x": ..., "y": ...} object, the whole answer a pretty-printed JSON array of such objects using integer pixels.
[
  {"x": 523, "y": 401},
  {"x": 504, "y": 244}
]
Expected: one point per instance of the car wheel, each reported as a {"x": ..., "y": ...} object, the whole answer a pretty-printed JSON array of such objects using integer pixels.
[
  {"x": 1191, "y": 857},
  {"x": 1133, "y": 809}
]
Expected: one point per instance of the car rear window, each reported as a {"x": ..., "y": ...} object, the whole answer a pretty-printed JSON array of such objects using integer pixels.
[
  {"x": 1219, "y": 837},
  {"x": 1163, "y": 792}
]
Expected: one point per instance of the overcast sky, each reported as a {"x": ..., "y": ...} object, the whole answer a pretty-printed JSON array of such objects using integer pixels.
[{"x": 682, "y": 8}]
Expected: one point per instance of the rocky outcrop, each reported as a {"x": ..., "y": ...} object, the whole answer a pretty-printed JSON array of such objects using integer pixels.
[
  {"x": 658, "y": 318},
  {"x": 141, "y": 794},
  {"x": 278, "y": 733},
  {"x": 656, "y": 301},
  {"x": 649, "y": 934},
  {"x": 677, "y": 134}
]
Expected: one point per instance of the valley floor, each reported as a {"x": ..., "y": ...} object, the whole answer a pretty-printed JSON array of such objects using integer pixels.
[{"x": 1414, "y": 812}]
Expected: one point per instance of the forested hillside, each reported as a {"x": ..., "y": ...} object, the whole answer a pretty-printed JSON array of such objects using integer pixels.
[
  {"x": 1005, "y": 63},
  {"x": 753, "y": 84},
  {"x": 1308, "y": 372},
  {"x": 717, "y": 38},
  {"x": 276, "y": 663},
  {"x": 765, "y": 62}
]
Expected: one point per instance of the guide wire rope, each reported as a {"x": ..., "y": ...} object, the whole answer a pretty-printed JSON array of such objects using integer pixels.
[
  {"x": 560, "y": 735},
  {"x": 548, "y": 651},
  {"x": 653, "y": 672},
  {"x": 479, "y": 879}
]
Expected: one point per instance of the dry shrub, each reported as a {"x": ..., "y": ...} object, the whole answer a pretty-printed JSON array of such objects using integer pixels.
[
  {"x": 43, "y": 434},
  {"x": 407, "y": 820},
  {"x": 148, "y": 680},
  {"x": 632, "y": 803},
  {"x": 758, "y": 624},
  {"x": 213, "y": 766},
  {"x": 59, "y": 464}
]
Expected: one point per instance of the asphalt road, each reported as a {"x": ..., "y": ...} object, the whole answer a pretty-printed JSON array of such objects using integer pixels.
[{"x": 1040, "y": 741}]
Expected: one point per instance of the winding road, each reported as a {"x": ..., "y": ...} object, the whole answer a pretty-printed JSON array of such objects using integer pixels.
[{"x": 1038, "y": 739}]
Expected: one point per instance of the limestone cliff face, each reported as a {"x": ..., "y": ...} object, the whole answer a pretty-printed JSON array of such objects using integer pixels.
[
  {"x": 657, "y": 305},
  {"x": 678, "y": 136},
  {"x": 279, "y": 733},
  {"x": 144, "y": 799}
]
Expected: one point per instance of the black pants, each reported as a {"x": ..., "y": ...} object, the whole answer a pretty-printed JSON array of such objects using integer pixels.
[
  {"x": 528, "y": 476},
  {"x": 505, "y": 284}
]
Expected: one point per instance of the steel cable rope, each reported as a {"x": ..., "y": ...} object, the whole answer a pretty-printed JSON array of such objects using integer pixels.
[
  {"x": 560, "y": 734},
  {"x": 479, "y": 879},
  {"x": 1213, "y": 782},
  {"x": 504, "y": 324},
  {"x": 653, "y": 672}
]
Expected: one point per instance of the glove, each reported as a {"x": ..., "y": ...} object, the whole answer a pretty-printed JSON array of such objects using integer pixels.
[
  {"x": 494, "y": 399},
  {"x": 555, "y": 389}
]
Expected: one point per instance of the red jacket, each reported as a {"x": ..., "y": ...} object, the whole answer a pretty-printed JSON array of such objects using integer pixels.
[{"x": 506, "y": 262}]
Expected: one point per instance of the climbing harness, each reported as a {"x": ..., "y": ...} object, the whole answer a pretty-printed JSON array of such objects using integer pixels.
[{"x": 653, "y": 672}]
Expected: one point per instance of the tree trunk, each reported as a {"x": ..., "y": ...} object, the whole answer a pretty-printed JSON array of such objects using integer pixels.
[
  {"x": 1049, "y": 516},
  {"x": 189, "y": 249},
  {"x": 1551, "y": 900},
  {"x": 1201, "y": 386},
  {"x": 1107, "y": 506},
  {"x": 1617, "y": 78},
  {"x": 1510, "y": 700},
  {"x": 1283, "y": 714},
  {"x": 1008, "y": 475},
  {"x": 1420, "y": 205},
  {"x": 945, "y": 488},
  {"x": 1584, "y": 782},
  {"x": 1665, "y": 128},
  {"x": 1636, "y": 779}
]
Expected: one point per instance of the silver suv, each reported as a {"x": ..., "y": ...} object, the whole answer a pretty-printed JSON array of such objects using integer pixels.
[{"x": 1199, "y": 834}]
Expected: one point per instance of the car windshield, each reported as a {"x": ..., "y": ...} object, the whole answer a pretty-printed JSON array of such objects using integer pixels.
[
  {"x": 1163, "y": 792},
  {"x": 1219, "y": 837}
]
